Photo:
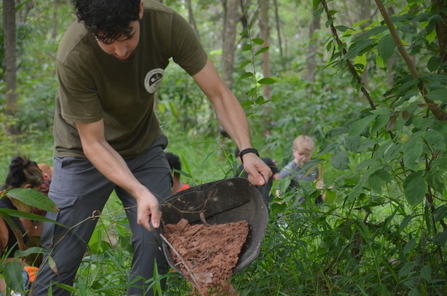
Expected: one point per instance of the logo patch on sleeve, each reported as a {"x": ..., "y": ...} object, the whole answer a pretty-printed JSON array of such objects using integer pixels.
[{"x": 153, "y": 80}]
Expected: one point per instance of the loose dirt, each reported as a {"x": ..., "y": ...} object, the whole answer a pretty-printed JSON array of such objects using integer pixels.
[{"x": 210, "y": 253}]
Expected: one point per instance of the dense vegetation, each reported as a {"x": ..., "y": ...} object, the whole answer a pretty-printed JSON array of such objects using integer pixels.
[{"x": 376, "y": 109}]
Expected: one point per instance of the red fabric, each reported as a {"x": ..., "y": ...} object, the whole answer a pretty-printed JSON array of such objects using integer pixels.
[{"x": 185, "y": 186}]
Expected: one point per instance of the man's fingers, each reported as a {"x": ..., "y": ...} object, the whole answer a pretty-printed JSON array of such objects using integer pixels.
[{"x": 155, "y": 219}]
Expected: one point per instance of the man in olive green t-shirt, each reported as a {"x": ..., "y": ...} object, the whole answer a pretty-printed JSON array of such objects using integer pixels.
[{"x": 106, "y": 135}]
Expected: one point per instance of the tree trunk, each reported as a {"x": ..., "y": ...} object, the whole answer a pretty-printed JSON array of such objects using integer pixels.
[
  {"x": 266, "y": 70},
  {"x": 55, "y": 23},
  {"x": 441, "y": 30},
  {"x": 191, "y": 19},
  {"x": 311, "y": 64},
  {"x": 265, "y": 35},
  {"x": 365, "y": 13},
  {"x": 278, "y": 32},
  {"x": 9, "y": 27},
  {"x": 231, "y": 18},
  {"x": 229, "y": 38}
]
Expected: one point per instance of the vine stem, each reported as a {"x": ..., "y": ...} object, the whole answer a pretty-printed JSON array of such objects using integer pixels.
[
  {"x": 438, "y": 113},
  {"x": 350, "y": 66}
]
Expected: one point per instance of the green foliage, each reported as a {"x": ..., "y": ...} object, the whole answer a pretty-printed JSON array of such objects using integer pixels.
[{"x": 381, "y": 229}]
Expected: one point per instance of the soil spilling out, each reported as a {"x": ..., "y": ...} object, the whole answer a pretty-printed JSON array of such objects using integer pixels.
[{"x": 210, "y": 252}]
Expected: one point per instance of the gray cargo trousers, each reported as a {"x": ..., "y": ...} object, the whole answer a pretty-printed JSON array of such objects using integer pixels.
[{"x": 80, "y": 190}]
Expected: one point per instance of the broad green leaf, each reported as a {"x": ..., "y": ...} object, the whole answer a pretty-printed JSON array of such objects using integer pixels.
[
  {"x": 19, "y": 214},
  {"x": 326, "y": 149},
  {"x": 426, "y": 273},
  {"x": 374, "y": 31},
  {"x": 406, "y": 269},
  {"x": 409, "y": 246},
  {"x": 13, "y": 275},
  {"x": 440, "y": 239},
  {"x": 434, "y": 63},
  {"x": 245, "y": 63},
  {"x": 357, "y": 48},
  {"x": 312, "y": 164},
  {"x": 432, "y": 78},
  {"x": 436, "y": 180},
  {"x": 435, "y": 139},
  {"x": 379, "y": 62},
  {"x": 258, "y": 41},
  {"x": 386, "y": 47},
  {"x": 33, "y": 198},
  {"x": 382, "y": 149},
  {"x": 376, "y": 183},
  {"x": 366, "y": 145},
  {"x": 406, "y": 86},
  {"x": 439, "y": 95},
  {"x": 412, "y": 151},
  {"x": 340, "y": 160},
  {"x": 361, "y": 60},
  {"x": 384, "y": 175},
  {"x": 357, "y": 190},
  {"x": 342, "y": 28},
  {"x": 360, "y": 125},
  {"x": 247, "y": 47},
  {"x": 247, "y": 103},
  {"x": 440, "y": 213},
  {"x": 318, "y": 12},
  {"x": 414, "y": 187},
  {"x": 335, "y": 132},
  {"x": 262, "y": 50},
  {"x": 246, "y": 75},
  {"x": 260, "y": 100},
  {"x": 405, "y": 222},
  {"x": 392, "y": 152},
  {"x": 364, "y": 164},
  {"x": 353, "y": 143},
  {"x": 33, "y": 250},
  {"x": 380, "y": 122},
  {"x": 65, "y": 287},
  {"x": 266, "y": 81}
]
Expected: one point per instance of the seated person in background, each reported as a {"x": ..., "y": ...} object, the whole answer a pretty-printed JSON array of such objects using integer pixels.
[
  {"x": 22, "y": 173},
  {"x": 265, "y": 189},
  {"x": 303, "y": 148},
  {"x": 34, "y": 227},
  {"x": 176, "y": 167}
]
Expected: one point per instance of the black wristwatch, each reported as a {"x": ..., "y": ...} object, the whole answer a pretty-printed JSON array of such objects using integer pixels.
[{"x": 247, "y": 150}]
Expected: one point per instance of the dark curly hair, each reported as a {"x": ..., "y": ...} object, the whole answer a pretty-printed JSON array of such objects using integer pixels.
[
  {"x": 174, "y": 163},
  {"x": 23, "y": 171},
  {"x": 108, "y": 20}
]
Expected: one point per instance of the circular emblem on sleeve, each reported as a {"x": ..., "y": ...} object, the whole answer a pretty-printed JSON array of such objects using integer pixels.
[{"x": 153, "y": 80}]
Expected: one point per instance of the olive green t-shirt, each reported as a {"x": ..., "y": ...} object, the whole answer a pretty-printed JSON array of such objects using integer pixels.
[{"x": 94, "y": 85}]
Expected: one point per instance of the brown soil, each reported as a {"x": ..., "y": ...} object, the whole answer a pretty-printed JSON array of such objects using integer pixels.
[{"x": 209, "y": 251}]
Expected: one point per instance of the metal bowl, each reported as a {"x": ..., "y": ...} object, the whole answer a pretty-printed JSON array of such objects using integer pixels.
[{"x": 223, "y": 201}]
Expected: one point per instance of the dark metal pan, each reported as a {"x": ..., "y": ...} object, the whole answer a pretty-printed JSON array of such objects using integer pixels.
[{"x": 219, "y": 202}]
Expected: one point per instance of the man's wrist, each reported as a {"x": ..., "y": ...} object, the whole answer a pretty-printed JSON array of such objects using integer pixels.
[{"x": 247, "y": 150}]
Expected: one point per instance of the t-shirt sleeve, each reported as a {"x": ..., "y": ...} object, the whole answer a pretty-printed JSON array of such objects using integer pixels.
[
  {"x": 77, "y": 94},
  {"x": 188, "y": 52}
]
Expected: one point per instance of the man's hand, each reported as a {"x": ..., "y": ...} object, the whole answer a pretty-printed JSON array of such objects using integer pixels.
[
  {"x": 148, "y": 209},
  {"x": 258, "y": 172}
]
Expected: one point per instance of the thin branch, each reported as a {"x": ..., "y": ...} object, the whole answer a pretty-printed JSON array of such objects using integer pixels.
[
  {"x": 438, "y": 113},
  {"x": 350, "y": 66}
]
